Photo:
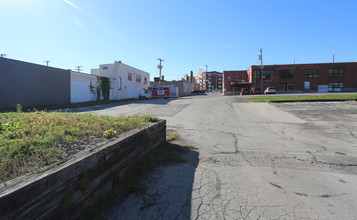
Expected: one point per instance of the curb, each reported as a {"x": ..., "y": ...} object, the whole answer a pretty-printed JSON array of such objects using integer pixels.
[{"x": 314, "y": 100}]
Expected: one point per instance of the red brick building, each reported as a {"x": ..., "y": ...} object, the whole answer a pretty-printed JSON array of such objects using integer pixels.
[
  {"x": 212, "y": 81},
  {"x": 234, "y": 81},
  {"x": 291, "y": 78}
]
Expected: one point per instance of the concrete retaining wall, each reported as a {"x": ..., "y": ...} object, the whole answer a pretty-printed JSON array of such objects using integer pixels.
[{"x": 70, "y": 190}]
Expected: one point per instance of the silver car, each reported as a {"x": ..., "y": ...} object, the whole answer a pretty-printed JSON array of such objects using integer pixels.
[{"x": 270, "y": 90}]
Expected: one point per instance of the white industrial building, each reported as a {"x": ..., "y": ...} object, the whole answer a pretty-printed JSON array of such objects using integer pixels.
[
  {"x": 126, "y": 81},
  {"x": 80, "y": 83}
]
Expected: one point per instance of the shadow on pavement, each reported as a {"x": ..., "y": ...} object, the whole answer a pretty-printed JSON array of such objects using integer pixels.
[{"x": 169, "y": 185}]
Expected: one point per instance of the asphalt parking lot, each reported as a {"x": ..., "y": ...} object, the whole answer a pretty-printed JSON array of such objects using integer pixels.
[
  {"x": 336, "y": 119},
  {"x": 254, "y": 161}
]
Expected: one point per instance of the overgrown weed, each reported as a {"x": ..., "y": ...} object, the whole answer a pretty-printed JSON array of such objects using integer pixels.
[{"x": 29, "y": 141}]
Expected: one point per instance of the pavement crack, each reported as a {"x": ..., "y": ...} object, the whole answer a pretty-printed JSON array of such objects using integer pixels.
[
  {"x": 273, "y": 166},
  {"x": 314, "y": 160}
]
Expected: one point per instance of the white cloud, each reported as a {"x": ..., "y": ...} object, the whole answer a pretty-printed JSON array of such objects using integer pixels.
[{"x": 75, "y": 6}]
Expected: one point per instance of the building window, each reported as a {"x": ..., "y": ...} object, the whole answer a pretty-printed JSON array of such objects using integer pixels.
[
  {"x": 286, "y": 74},
  {"x": 335, "y": 85},
  {"x": 104, "y": 67},
  {"x": 130, "y": 76},
  {"x": 266, "y": 74},
  {"x": 145, "y": 81},
  {"x": 138, "y": 78},
  {"x": 314, "y": 73},
  {"x": 290, "y": 86},
  {"x": 335, "y": 72},
  {"x": 209, "y": 74},
  {"x": 219, "y": 82},
  {"x": 119, "y": 83}
]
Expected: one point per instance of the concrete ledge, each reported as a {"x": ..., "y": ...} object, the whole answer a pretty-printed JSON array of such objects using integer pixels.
[{"x": 71, "y": 189}]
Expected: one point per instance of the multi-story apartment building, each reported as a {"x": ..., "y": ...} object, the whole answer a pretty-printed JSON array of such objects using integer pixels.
[{"x": 212, "y": 81}]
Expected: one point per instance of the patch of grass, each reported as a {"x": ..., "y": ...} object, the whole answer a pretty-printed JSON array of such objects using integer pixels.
[
  {"x": 30, "y": 141},
  {"x": 190, "y": 146},
  {"x": 172, "y": 137},
  {"x": 297, "y": 98}
]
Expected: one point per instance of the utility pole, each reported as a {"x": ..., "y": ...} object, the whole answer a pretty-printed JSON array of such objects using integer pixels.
[
  {"x": 333, "y": 59},
  {"x": 261, "y": 69},
  {"x": 78, "y": 68},
  {"x": 2, "y": 55},
  {"x": 160, "y": 67},
  {"x": 47, "y": 61}
]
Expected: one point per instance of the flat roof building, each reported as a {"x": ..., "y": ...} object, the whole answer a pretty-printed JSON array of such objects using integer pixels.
[{"x": 294, "y": 78}]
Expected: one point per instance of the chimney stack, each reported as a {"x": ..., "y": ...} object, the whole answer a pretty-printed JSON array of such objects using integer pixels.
[{"x": 191, "y": 76}]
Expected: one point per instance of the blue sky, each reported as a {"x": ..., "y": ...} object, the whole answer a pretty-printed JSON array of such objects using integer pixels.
[{"x": 187, "y": 34}]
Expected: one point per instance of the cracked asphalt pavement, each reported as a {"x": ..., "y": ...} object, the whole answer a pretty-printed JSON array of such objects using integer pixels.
[{"x": 254, "y": 161}]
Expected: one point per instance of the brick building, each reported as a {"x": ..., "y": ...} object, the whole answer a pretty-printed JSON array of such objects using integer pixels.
[
  {"x": 233, "y": 81},
  {"x": 292, "y": 78},
  {"x": 212, "y": 81}
]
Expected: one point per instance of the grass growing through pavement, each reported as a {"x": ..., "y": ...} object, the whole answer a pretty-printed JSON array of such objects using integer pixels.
[
  {"x": 29, "y": 141},
  {"x": 297, "y": 98},
  {"x": 172, "y": 137}
]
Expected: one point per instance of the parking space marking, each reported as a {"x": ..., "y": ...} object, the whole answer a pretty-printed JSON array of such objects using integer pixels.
[
  {"x": 240, "y": 106},
  {"x": 255, "y": 105}
]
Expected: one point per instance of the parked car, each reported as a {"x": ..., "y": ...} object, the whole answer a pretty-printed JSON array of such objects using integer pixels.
[
  {"x": 270, "y": 90},
  {"x": 244, "y": 91},
  {"x": 257, "y": 91},
  {"x": 196, "y": 91}
]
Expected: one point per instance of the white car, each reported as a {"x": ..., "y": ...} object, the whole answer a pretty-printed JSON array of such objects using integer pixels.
[{"x": 269, "y": 90}]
